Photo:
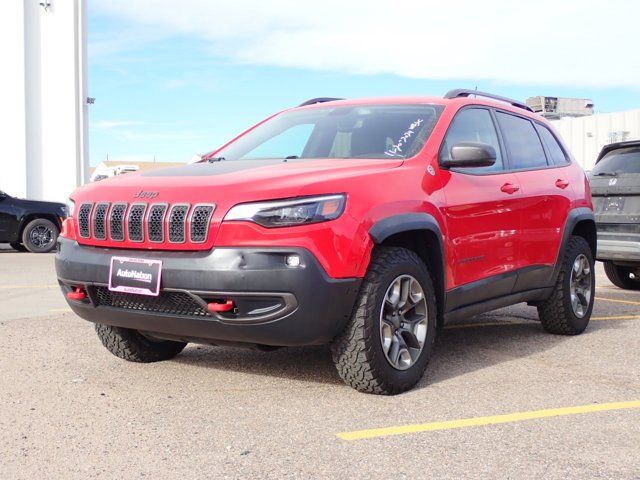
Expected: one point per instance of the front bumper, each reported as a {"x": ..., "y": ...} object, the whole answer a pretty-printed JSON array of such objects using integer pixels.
[{"x": 277, "y": 305}]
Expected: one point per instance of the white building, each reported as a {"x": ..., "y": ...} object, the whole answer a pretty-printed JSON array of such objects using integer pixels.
[
  {"x": 585, "y": 136},
  {"x": 43, "y": 93}
]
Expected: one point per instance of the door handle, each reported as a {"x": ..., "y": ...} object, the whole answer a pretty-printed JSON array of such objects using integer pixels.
[
  {"x": 509, "y": 188},
  {"x": 560, "y": 183}
]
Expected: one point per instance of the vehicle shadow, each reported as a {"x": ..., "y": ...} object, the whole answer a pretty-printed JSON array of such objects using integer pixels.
[{"x": 460, "y": 350}]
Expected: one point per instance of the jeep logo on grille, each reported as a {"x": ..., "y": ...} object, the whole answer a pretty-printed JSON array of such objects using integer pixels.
[{"x": 143, "y": 194}]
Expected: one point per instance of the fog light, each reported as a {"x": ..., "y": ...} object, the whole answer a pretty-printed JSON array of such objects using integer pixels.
[{"x": 293, "y": 260}]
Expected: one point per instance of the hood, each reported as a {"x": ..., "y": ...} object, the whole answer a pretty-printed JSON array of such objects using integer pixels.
[
  {"x": 227, "y": 183},
  {"x": 40, "y": 206}
]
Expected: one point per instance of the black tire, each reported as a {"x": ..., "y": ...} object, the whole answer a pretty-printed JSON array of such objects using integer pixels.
[
  {"x": 131, "y": 345},
  {"x": 40, "y": 235},
  {"x": 556, "y": 313},
  {"x": 357, "y": 352},
  {"x": 18, "y": 246},
  {"x": 621, "y": 276}
]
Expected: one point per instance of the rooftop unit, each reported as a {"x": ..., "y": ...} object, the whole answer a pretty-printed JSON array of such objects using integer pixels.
[{"x": 558, "y": 107}]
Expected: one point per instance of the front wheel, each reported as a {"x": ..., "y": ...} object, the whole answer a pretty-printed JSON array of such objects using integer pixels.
[
  {"x": 386, "y": 346},
  {"x": 568, "y": 310},
  {"x": 40, "y": 235},
  {"x": 622, "y": 277}
]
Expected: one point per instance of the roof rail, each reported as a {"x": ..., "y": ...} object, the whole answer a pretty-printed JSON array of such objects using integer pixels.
[
  {"x": 461, "y": 92},
  {"x": 319, "y": 100}
]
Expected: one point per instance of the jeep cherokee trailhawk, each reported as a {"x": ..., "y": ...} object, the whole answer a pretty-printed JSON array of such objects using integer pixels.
[{"x": 364, "y": 224}]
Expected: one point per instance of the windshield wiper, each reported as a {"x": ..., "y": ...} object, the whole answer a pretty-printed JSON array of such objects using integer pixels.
[
  {"x": 290, "y": 157},
  {"x": 605, "y": 174},
  {"x": 216, "y": 159}
]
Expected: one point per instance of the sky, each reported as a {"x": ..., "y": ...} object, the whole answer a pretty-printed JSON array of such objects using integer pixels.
[{"x": 173, "y": 79}]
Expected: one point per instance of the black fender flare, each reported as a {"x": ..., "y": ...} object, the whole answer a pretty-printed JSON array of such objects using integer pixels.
[
  {"x": 573, "y": 218},
  {"x": 407, "y": 222},
  {"x": 404, "y": 222}
]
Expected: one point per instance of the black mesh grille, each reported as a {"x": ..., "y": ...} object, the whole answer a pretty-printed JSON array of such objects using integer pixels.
[
  {"x": 136, "y": 216},
  {"x": 116, "y": 222},
  {"x": 177, "y": 220},
  {"x": 171, "y": 303},
  {"x": 100, "y": 221},
  {"x": 141, "y": 220},
  {"x": 84, "y": 214},
  {"x": 200, "y": 223},
  {"x": 155, "y": 223}
]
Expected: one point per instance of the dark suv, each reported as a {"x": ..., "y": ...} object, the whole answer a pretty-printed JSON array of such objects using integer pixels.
[
  {"x": 364, "y": 224},
  {"x": 615, "y": 183},
  {"x": 30, "y": 224}
]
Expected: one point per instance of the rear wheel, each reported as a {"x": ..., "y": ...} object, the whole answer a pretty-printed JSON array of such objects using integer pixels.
[
  {"x": 131, "y": 345},
  {"x": 387, "y": 344},
  {"x": 568, "y": 310},
  {"x": 18, "y": 246},
  {"x": 40, "y": 235},
  {"x": 622, "y": 277}
]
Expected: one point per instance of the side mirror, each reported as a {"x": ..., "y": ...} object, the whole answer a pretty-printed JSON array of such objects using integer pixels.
[{"x": 469, "y": 155}]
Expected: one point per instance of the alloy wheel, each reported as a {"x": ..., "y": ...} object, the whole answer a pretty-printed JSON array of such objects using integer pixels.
[
  {"x": 403, "y": 322},
  {"x": 580, "y": 285}
]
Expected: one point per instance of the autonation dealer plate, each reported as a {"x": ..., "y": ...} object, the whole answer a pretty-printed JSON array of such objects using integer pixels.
[{"x": 135, "y": 275}]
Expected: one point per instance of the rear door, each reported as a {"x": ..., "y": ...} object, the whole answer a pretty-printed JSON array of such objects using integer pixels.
[
  {"x": 546, "y": 196},
  {"x": 615, "y": 188},
  {"x": 482, "y": 212}
]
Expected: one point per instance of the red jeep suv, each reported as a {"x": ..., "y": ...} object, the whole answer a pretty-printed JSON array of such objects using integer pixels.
[{"x": 364, "y": 224}]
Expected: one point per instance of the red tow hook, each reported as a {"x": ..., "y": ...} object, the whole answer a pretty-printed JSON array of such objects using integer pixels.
[
  {"x": 221, "y": 307},
  {"x": 77, "y": 294}
]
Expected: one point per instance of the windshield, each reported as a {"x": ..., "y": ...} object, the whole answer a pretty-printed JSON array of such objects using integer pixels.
[
  {"x": 624, "y": 160},
  {"x": 380, "y": 131}
]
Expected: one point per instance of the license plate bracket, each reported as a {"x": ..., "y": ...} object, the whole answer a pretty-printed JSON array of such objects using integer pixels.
[
  {"x": 614, "y": 204},
  {"x": 140, "y": 276}
]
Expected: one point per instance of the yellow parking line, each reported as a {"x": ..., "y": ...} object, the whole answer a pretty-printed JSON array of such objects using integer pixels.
[
  {"x": 25, "y": 287},
  {"x": 617, "y": 317},
  {"x": 615, "y": 300},
  {"x": 492, "y": 420}
]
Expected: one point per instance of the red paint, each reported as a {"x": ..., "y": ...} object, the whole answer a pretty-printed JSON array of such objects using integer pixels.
[
  {"x": 490, "y": 223},
  {"x": 221, "y": 307},
  {"x": 77, "y": 294}
]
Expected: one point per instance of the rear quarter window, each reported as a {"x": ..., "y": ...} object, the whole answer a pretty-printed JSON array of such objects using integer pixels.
[{"x": 557, "y": 153}]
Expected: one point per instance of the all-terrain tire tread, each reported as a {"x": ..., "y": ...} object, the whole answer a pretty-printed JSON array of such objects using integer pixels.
[
  {"x": 132, "y": 346},
  {"x": 553, "y": 313},
  {"x": 354, "y": 359}
]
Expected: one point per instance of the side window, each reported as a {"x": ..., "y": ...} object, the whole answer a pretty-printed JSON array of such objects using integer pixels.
[
  {"x": 473, "y": 125},
  {"x": 555, "y": 150},
  {"x": 522, "y": 141}
]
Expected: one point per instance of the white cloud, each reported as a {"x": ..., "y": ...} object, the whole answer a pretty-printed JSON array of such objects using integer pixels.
[{"x": 556, "y": 42}]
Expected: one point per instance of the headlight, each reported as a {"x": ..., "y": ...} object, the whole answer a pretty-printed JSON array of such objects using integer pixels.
[
  {"x": 71, "y": 206},
  {"x": 287, "y": 213}
]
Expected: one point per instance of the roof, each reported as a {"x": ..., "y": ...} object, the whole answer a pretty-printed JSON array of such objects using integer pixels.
[
  {"x": 458, "y": 101},
  {"x": 615, "y": 146}
]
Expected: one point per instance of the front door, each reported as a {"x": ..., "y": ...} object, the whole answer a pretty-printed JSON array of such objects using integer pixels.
[{"x": 482, "y": 213}]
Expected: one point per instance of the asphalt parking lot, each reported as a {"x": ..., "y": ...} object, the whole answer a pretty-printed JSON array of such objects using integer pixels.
[{"x": 501, "y": 399}]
